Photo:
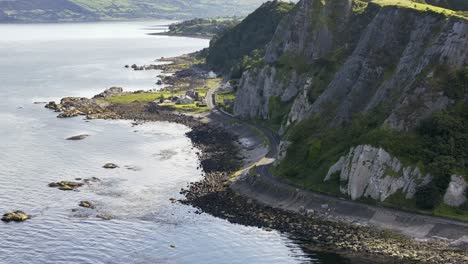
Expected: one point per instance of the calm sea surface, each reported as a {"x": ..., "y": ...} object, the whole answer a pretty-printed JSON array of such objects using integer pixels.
[{"x": 49, "y": 61}]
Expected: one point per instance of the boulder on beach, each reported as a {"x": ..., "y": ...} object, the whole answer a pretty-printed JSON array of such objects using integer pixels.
[
  {"x": 15, "y": 216},
  {"x": 78, "y": 137},
  {"x": 110, "y": 166}
]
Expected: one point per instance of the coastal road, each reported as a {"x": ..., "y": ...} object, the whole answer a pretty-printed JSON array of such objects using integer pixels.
[
  {"x": 409, "y": 223},
  {"x": 272, "y": 137}
]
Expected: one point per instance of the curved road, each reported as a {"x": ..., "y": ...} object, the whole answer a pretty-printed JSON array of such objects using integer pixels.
[{"x": 379, "y": 215}]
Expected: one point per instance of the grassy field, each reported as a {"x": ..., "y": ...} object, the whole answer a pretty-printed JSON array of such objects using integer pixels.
[
  {"x": 166, "y": 94},
  {"x": 142, "y": 97}
]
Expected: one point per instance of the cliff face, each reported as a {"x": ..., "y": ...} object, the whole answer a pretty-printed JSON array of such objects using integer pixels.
[
  {"x": 305, "y": 34},
  {"x": 385, "y": 55},
  {"x": 330, "y": 62}
]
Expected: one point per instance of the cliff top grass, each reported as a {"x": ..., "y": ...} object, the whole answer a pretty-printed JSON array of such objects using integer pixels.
[{"x": 421, "y": 7}]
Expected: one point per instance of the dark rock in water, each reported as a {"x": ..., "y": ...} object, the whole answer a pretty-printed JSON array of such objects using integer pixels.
[
  {"x": 104, "y": 217},
  {"x": 110, "y": 166},
  {"x": 40, "y": 102},
  {"x": 134, "y": 66},
  {"x": 79, "y": 137},
  {"x": 86, "y": 204},
  {"x": 15, "y": 216},
  {"x": 53, "y": 185},
  {"x": 51, "y": 105},
  {"x": 126, "y": 66},
  {"x": 92, "y": 179},
  {"x": 66, "y": 185},
  {"x": 132, "y": 168}
]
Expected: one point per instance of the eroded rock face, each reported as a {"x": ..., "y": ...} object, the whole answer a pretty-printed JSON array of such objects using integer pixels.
[
  {"x": 372, "y": 172},
  {"x": 258, "y": 86},
  {"x": 388, "y": 57},
  {"x": 455, "y": 194}
]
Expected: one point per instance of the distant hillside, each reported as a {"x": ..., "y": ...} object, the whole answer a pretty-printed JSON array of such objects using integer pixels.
[
  {"x": 230, "y": 51},
  {"x": 92, "y": 10},
  {"x": 201, "y": 27}
]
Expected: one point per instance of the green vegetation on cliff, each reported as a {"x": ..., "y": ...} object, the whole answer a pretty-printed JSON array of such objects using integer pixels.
[
  {"x": 360, "y": 80},
  {"x": 227, "y": 51},
  {"x": 437, "y": 145}
]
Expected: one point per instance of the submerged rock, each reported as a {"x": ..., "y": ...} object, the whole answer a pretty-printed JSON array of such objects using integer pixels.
[
  {"x": 132, "y": 168},
  {"x": 110, "y": 166},
  {"x": 104, "y": 217},
  {"x": 92, "y": 179},
  {"x": 15, "y": 216},
  {"x": 79, "y": 137}
]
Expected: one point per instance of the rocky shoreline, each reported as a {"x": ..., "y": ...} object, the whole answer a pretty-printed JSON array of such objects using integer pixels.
[
  {"x": 220, "y": 158},
  {"x": 213, "y": 195}
]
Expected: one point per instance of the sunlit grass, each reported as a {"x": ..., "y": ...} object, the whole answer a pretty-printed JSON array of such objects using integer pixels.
[
  {"x": 141, "y": 97},
  {"x": 419, "y": 6}
]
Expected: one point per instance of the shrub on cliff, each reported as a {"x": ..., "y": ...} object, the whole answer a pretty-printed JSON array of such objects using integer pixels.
[{"x": 427, "y": 196}]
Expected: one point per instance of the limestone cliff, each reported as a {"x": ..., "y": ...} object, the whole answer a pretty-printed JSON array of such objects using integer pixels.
[
  {"x": 391, "y": 68},
  {"x": 383, "y": 56},
  {"x": 372, "y": 172}
]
